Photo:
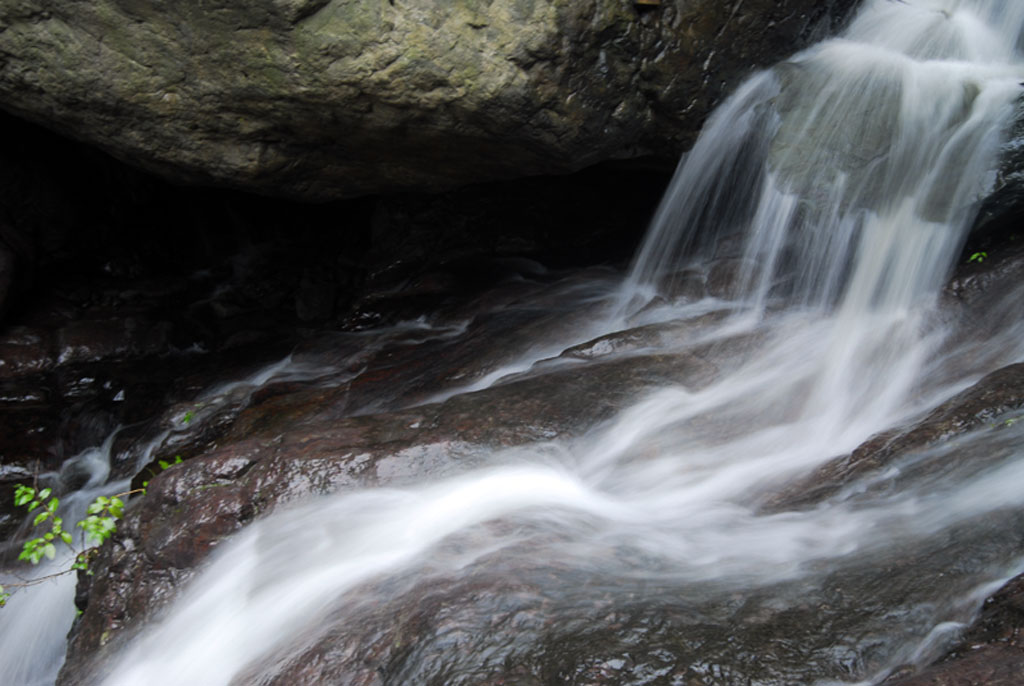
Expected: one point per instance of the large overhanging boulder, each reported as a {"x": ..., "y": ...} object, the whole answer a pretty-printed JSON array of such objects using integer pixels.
[{"x": 321, "y": 99}]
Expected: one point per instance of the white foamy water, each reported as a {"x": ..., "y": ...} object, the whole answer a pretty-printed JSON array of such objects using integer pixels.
[
  {"x": 838, "y": 186},
  {"x": 850, "y": 172}
]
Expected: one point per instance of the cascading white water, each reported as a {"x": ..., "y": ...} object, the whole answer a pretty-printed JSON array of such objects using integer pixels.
[
  {"x": 850, "y": 171},
  {"x": 841, "y": 184}
]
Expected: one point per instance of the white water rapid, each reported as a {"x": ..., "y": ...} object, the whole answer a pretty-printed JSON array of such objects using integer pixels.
[{"x": 835, "y": 192}]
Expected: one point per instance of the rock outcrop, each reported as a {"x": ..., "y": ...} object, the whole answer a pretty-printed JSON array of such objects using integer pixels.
[
  {"x": 368, "y": 418},
  {"x": 254, "y": 451},
  {"x": 322, "y": 99}
]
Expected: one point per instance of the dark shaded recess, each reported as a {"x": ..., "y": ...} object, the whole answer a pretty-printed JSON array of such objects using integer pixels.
[
  {"x": 122, "y": 293},
  {"x": 69, "y": 212},
  {"x": 1000, "y": 220}
]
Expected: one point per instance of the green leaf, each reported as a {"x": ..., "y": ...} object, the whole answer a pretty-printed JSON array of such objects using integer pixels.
[
  {"x": 23, "y": 494},
  {"x": 163, "y": 464},
  {"x": 50, "y": 551},
  {"x": 32, "y": 550},
  {"x": 82, "y": 561},
  {"x": 45, "y": 493},
  {"x": 66, "y": 537},
  {"x": 40, "y": 518}
]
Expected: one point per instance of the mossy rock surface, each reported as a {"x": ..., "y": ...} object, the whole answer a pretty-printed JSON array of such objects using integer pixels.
[{"x": 321, "y": 99}]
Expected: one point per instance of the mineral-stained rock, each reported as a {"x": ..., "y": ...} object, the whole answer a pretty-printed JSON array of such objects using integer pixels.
[{"x": 336, "y": 98}]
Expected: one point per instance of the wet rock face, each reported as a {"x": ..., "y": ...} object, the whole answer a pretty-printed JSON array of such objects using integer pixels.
[
  {"x": 1000, "y": 213},
  {"x": 290, "y": 441},
  {"x": 334, "y": 98},
  {"x": 534, "y": 613},
  {"x": 110, "y": 324},
  {"x": 991, "y": 652},
  {"x": 538, "y": 617},
  {"x": 346, "y": 429},
  {"x": 513, "y": 619},
  {"x": 978, "y": 295},
  {"x": 993, "y": 401}
]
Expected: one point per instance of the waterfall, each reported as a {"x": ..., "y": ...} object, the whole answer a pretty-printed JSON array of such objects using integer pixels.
[
  {"x": 850, "y": 172},
  {"x": 836, "y": 189}
]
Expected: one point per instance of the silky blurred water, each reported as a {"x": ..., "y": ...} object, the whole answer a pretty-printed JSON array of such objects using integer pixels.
[{"x": 840, "y": 184}]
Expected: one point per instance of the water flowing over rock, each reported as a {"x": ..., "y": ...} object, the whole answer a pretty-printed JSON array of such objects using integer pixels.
[
  {"x": 335, "y": 98},
  {"x": 540, "y": 613},
  {"x": 991, "y": 651},
  {"x": 826, "y": 154},
  {"x": 786, "y": 448}
]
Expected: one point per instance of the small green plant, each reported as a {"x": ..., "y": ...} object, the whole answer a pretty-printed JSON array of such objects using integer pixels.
[
  {"x": 188, "y": 417},
  {"x": 98, "y": 527},
  {"x": 978, "y": 257},
  {"x": 99, "y": 524},
  {"x": 164, "y": 465},
  {"x": 35, "y": 549},
  {"x": 102, "y": 513}
]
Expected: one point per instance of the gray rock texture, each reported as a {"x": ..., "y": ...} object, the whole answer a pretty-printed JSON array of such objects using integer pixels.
[{"x": 321, "y": 99}]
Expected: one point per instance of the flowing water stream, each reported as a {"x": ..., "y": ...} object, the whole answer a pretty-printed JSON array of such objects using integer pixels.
[{"x": 830, "y": 195}]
